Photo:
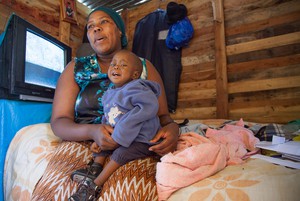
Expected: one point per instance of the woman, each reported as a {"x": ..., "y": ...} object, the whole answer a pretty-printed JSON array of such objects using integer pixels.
[{"x": 77, "y": 108}]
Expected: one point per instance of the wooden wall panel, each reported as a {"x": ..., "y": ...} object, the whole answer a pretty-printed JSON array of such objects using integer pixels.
[
  {"x": 262, "y": 49},
  {"x": 262, "y": 59},
  {"x": 265, "y": 43},
  {"x": 197, "y": 88}
]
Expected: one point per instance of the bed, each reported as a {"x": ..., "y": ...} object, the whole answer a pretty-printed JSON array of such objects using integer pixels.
[{"x": 252, "y": 179}]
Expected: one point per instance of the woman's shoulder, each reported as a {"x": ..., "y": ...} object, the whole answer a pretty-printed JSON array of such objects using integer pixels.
[
  {"x": 144, "y": 74},
  {"x": 86, "y": 63},
  {"x": 152, "y": 73},
  {"x": 86, "y": 59}
]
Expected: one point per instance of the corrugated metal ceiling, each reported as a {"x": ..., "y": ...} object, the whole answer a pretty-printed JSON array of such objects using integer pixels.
[{"x": 117, "y": 5}]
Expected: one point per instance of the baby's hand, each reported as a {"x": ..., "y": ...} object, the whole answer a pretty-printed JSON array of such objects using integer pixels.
[{"x": 95, "y": 148}]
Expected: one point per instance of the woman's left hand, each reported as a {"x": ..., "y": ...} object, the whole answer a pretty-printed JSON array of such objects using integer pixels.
[{"x": 169, "y": 135}]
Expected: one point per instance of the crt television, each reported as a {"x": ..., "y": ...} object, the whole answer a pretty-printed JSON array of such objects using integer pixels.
[{"x": 31, "y": 62}]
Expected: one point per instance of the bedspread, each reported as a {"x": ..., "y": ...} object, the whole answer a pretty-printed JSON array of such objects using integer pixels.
[
  {"x": 27, "y": 159},
  {"x": 255, "y": 179}
]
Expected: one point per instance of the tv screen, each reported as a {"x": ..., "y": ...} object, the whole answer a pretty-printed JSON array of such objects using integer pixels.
[
  {"x": 31, "y": 62},
  {"x": 44, "y": 58}
]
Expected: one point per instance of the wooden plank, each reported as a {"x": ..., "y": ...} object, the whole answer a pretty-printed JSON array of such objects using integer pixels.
[
  {"x": 202, "y": 22},
  {"x": 265, "y": 84},
  {"x": 47, "y": 12},
  {"x": 274, "y": 52},
  {"x": 196, "y": 103},
  {"x": 279, "y": 105},
  {"x": 274, "y": 104},
  {"x": 264, "y": 63},
  {"x": 187, "y": 77},
  {"x": 38, "y": 22},
  {"x": 263, "y": 43},
  {"x": 197, "y": 59},
  {"x": 199, "y": 72},
  {"x": 64, "y": 32},
  {"x": 208, "y": 66},
  {"x": 196, "y": 94},
  {"x": 257, "y": 97},
  {"x": 244, "y": 4},
  {"x": 256, "y": 11},
  {"x": 268, "y": 73},
  {"x": 5, "y": 12},
  {"x": 263, "y": 24},
  {"x": 199, "y": 46},
  {"x": 221, "y": 62},
  {"x": 267, "y": 114},
  {"x": 276, "y": 97},
  {"x": 207, "y": 84},
  {"x": 265, "y": 33},
  {"x": 195, "y": 113}
]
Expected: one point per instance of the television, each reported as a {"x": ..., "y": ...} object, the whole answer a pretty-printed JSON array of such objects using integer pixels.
[{"x": 31, "y": 62}]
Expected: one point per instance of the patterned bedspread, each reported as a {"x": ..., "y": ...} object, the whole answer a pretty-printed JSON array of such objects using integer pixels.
[
  {"x": 33, "y": 146},
  {"x": 254, "y": 180}
]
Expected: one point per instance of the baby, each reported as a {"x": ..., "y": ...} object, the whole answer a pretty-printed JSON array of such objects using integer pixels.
[{"x": 130, "y": 107}]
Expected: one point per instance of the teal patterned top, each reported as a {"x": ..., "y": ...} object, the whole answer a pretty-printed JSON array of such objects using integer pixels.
[{"x": 92, "y": 83}]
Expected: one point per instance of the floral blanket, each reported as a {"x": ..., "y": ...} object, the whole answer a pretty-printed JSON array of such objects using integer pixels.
[{"x": 34, "y": 146}]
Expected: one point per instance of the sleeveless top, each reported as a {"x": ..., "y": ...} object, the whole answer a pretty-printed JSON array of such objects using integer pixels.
[{"x": 92, "y": 83}]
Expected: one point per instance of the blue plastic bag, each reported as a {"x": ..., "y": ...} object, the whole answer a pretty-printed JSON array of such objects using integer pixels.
[{"x": 180, "y": 33}]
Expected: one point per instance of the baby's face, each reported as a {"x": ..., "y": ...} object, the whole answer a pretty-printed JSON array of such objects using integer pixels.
[{"x": 122, "y": 69}]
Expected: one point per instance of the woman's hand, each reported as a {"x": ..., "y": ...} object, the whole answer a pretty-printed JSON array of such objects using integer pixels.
[
  {"x": 169, "y": 135},
  {"x": 103, "y": 137}
]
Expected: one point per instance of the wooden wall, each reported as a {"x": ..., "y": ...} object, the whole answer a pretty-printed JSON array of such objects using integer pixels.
[
  {"x": 243, "y": 61},
  {"x": 45, "y": 14}
]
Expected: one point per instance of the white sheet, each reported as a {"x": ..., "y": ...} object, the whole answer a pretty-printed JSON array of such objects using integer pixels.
[{"x": 26, "y": 160}]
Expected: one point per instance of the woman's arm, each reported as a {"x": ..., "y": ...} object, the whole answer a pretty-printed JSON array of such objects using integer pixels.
[
  {"x": 170, "y": 130},
  {"x": 62, "y": 119}
]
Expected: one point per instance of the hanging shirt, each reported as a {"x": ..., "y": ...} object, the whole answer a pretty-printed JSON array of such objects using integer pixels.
[{"x": 150, "y": 44}]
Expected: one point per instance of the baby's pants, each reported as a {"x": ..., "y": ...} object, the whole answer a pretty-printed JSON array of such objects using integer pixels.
[{"x": 123, "y": 155}]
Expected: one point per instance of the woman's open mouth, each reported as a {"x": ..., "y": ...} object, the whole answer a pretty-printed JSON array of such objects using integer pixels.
[{"x": 99, "y": 39}]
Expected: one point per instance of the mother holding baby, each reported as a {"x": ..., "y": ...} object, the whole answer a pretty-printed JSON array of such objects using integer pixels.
[{"x": 77, "y": 113}]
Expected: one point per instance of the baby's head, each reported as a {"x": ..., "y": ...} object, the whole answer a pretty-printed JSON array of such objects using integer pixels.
[{"x": 124, "y": 67}]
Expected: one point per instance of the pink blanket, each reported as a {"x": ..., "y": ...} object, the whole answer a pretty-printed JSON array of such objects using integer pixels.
[{"x": 198, "y": 157}]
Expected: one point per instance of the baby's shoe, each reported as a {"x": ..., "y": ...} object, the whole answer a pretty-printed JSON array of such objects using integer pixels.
[
  {"x": 87, "y": 191},
  {"x": 91, "y": 171}
]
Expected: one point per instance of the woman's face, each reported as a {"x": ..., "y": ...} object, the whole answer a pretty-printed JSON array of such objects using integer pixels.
[{"x": 103, "y": 34}]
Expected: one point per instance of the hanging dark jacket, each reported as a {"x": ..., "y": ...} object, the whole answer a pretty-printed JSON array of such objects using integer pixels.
[{"x": 149, "y": 42}]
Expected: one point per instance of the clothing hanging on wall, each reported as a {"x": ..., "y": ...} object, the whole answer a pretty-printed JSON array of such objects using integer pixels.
[{"x": 149, "y": 42}]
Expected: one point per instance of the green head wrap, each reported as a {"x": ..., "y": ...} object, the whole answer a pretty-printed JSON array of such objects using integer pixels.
[{"x": 117, "y": 19}]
